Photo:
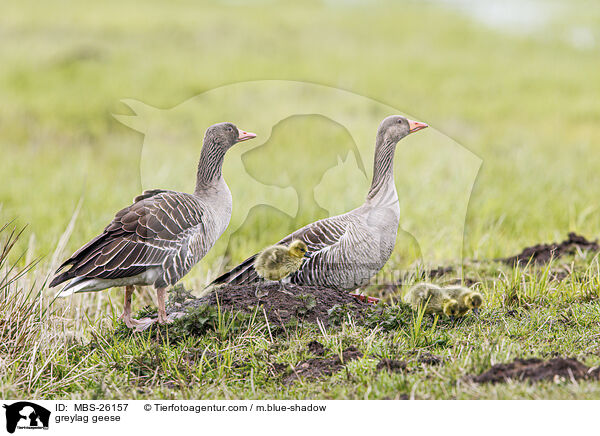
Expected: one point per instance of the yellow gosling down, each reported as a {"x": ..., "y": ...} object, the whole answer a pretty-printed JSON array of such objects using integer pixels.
[
  {"x": 418, "y": 294},
  {"x": 435, "y": 300},
  {"x": 467, "y": 299},
  {"x": 279, "y": 261},
  {"x": 450, "y": 307}
]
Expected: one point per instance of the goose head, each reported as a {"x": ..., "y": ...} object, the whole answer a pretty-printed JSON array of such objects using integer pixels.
[
  {"x": 298, "y": 249},
  {"x": 451, "y": 308},
  {"x": 217, "y": 140},
  {"x": 395, "y": 127},
  {"x": 474, "y": 300},
  {"x": 225, "y": 135}
]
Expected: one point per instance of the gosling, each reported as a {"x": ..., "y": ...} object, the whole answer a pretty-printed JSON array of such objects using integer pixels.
[
  {"x": 467, "y": 299},
  {"x": 435, "y": 300},
  {"x": 279, "y": 261}
]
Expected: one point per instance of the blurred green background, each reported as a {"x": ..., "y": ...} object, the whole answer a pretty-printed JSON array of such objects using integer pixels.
[{"x": 517, "y": 84}]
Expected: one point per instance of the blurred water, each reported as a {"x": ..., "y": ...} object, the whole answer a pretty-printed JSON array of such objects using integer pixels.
[
  {"x": 513, "y": 15},
  {"x": 531, "y": 17}
]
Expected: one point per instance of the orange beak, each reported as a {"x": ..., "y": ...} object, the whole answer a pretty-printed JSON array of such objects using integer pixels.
[
  {"x": 244, "y": 136},
  {"x": 415, "y": 126}
]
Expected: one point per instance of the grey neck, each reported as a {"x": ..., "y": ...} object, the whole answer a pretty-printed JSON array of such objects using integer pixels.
[
  {"x": 383, "y": 166},
  {"x": 210, "y": 165}
]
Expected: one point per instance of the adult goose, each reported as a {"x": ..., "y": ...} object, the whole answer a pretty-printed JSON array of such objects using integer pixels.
[
  {"x": 347, "y": 250},
  {"x": 161, "y": 236}
]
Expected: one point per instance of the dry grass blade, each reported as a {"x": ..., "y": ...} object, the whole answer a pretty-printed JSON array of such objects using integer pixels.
[{"x": 23, "y": 314}]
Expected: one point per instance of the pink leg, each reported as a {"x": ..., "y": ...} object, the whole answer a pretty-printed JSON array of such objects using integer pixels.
[
  {"x": 366, "y": 299},
  {"x": 138, "y": 325},
  {"x": 161, "y": 293},
  {"x": 126, "y": 315}
]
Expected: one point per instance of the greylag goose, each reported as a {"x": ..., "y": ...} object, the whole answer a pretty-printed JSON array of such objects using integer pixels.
[
  {"x": 161, "y": 236},
  {"x": 347, "y": 250},
  {"x": 433, "y": 299},
  {"x": 467, "y": 299},
  {"x": 279, "y": 261}
]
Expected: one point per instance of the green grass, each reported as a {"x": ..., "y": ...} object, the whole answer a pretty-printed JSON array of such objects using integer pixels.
[
  {"x": 54, "y": 351},
  {"x": 525, "y": 104}
]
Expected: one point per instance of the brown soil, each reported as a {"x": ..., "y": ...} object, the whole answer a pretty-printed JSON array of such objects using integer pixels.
[
  {"x": 319, "y": 367},
  {"x": 308, "y": 303},
  {"x": 316, "y": 348},
  {"x": 391, "y": 365},
  {"x": 440, "y": 271},
  {"x": 428, "y": 358},
  {"x": 537, "y": 370},
  {"x": 391, "y": 288},
  {"x": 542, "y": 253}
]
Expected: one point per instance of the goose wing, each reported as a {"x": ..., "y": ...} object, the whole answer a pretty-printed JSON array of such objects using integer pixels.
[
  {"x": 319, "y": 237},
  {"x": 161, "y": 228}
]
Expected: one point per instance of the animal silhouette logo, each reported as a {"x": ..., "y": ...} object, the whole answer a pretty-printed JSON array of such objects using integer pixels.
[
  {"x": 26, "y": 415},
  {"x": 318, "y": 142}
]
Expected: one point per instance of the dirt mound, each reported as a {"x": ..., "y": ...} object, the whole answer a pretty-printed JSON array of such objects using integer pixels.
[
  {"x": 391, "y": 365},
  {"x": 316, "y": 348},
  {"x": 440, "y": 271},
  {"x": 537, "y": 370},
  {"x": 308, "y": 303},
  {"x": 542, "y": 253},
  {"x": 319, "y": 367},
  {"x": 427, "y": 358}
]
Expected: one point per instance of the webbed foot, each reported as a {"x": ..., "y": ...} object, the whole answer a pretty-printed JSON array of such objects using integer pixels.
[
  {"x": 261, "y": 291},
  {"x": 284, "y": 290}
]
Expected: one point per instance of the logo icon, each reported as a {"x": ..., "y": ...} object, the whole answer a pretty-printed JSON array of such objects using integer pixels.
[
  {"x": 26, "y": 415},
  {"x": 319, "y": 141}
]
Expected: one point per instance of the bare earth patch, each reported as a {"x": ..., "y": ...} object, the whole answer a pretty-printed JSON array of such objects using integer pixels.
[
  {"x": 537, "y": 370},
  {"x": 316, "y": 348},
  {"x": 391, "y": 365},
  {"x": 428, "y": 358},
  {"x": 308, "y": 303},
  {"x": 320, "y": 367},
  {"x": 542, "y": 253}
]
